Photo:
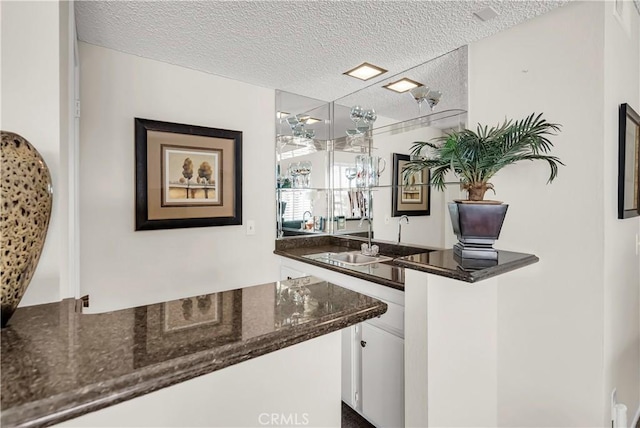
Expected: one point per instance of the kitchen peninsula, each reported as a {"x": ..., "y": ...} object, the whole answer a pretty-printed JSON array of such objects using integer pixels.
[
  {"x": 391, "y": 273},
  {"x": 435, "y": 349},
  {"x": 186, "y": 362}
]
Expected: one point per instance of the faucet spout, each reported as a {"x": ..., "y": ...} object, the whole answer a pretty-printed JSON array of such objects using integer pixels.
[
  {"x": 404, "y": 217},
  {"x": 369, "y": 230}
]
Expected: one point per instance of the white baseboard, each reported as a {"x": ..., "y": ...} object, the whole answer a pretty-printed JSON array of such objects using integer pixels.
[{"x": 636, "y": 418}]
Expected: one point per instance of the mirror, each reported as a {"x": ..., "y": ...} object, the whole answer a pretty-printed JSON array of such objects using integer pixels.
[
  {"x": 302, "y": 162},
  {"x": 352, "y": 173}
]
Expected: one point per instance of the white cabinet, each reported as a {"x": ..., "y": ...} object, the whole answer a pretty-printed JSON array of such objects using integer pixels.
[
  {"x": 373, "y": 375},
  {"x": 382, "y": 393},
  {"x": 350, "y": 362},
  {"x": 287, "y": 272}
]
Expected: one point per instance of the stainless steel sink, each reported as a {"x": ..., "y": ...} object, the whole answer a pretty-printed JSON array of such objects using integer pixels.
[{"x": 354, "y": 258}]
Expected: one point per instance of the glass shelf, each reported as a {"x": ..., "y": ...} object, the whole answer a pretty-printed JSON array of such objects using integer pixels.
[
  {"x": 341, "y": 189},
  {"x": 386, "y": 186},
  {"x": 300, "y": 146},
  {"x": 302, "y": 189}
]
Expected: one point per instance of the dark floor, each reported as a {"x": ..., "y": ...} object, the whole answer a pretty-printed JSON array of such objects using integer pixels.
[{"x": 351, "y": 419}]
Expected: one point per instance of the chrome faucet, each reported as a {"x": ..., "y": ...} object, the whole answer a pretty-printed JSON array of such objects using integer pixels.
[
  {"x": 369, "y": 232},
  {"x": 404, "y": 217},
  {"x": 304, "y": 219}
]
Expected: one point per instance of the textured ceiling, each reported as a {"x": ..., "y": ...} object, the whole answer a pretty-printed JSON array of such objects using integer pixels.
[{"x": 301, "y": 47}]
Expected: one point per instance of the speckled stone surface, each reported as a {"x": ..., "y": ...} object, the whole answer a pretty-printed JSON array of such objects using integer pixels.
[
  {"x": 352, "y": 242},
  {"x": 432, "y": 260},
  {"x": 444, "y": 263},
  {"x": 385, "y": 273},
  {"x": 381, "y": 273},
  {"x": 58, "y": 364}
]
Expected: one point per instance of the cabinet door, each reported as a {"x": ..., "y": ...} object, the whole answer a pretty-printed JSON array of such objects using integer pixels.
[
  {"x": 382, "y": 377},
  {"x": 288, "y": 273},
  {"x": 349, "y": 366}
]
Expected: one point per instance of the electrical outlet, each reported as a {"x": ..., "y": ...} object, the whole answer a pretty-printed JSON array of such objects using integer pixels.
[{"x": 251, "y": 227}]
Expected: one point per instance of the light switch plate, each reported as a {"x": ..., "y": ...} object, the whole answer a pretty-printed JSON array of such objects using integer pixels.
[{"x": 251, "y": 227}]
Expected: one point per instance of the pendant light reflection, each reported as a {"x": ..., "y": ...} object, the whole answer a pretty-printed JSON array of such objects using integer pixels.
[
  {"x": 363, "y": 120},
  {"x": 297, "y": 124},
  {"x": 423, "y": 94}
]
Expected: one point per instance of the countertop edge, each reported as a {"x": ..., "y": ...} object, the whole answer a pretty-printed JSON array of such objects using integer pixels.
[
  {"x": 168, "y": 373},
  {"x": 345, "y": 271},
  {"x": 469, "y": 276}
]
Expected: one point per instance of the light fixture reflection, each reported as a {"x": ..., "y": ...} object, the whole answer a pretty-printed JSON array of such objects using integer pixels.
[
  {"x": 297, "y": 124},
  {"x": 402, "y": 85},
  {"x": 424, "y": 94},
  {"x": 363, "y": 120}
]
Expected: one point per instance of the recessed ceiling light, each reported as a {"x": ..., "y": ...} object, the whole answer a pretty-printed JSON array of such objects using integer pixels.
[
  {"x": 365, "y": 71},
  {"x": 402, "y": 85},
  {"x": 486, "y": 14},
  {"x": 312, "y": 120}
]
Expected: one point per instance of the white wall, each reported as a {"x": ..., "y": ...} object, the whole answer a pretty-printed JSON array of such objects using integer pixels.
[
  {"x": 242, "y": 395},
  {"x": 31, "y": 106},
  {"x": 621, "y": 273},
  {"x": 550, "y": 315},
  {"x": 121, "y": 267},
  {"x": 450, "y": 351}
]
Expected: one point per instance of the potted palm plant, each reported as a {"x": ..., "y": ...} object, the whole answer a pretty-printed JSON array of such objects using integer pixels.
[{"x": 475, "y": 157}]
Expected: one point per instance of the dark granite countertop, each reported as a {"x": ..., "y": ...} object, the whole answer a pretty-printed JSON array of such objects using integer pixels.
[
  {"x": 444, "y": 263},
  {"x": 391, "y": 274},
  {"x": 58, "y": 364},
  {"x": 385, "y": 273}
]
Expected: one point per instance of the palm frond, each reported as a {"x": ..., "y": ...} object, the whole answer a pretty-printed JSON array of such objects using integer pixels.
[{"x": 477, "y": 156}]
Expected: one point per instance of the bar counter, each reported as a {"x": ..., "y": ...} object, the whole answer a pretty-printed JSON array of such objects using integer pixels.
[{"x": 58, "y": 364}]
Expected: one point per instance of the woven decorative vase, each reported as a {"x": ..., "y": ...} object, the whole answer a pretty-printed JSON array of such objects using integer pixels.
[{"x": 25, "y": 208}]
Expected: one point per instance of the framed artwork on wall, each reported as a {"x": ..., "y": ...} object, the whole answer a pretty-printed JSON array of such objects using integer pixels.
[
  {"x": 187, "y": 176},
  {"x": 413, "y": 199},
  {"x": 628, "y": 162}
]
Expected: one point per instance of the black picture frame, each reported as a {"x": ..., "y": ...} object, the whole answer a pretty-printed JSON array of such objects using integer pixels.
[
  {"x": 628, "y": 162},
  {"x": 422, "y": 192},
  {"x": 222, "y": 145}
]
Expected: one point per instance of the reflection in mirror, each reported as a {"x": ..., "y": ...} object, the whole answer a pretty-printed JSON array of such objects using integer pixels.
[
  {"x": 302, "y": 162},
  {"x": 330, "y": 178},
  {"x": 446, "y": 74}
]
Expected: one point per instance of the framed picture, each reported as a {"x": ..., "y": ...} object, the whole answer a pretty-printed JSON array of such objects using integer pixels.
[
  {"x": 173, "y": 329},
  {"x": 187, "y": 176},
  {"x": 628, "y": 163},
  {"x": 414, "y": 198}
]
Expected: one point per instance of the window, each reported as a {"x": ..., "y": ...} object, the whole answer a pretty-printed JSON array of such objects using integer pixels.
[{"x": 297, "y": 202}]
